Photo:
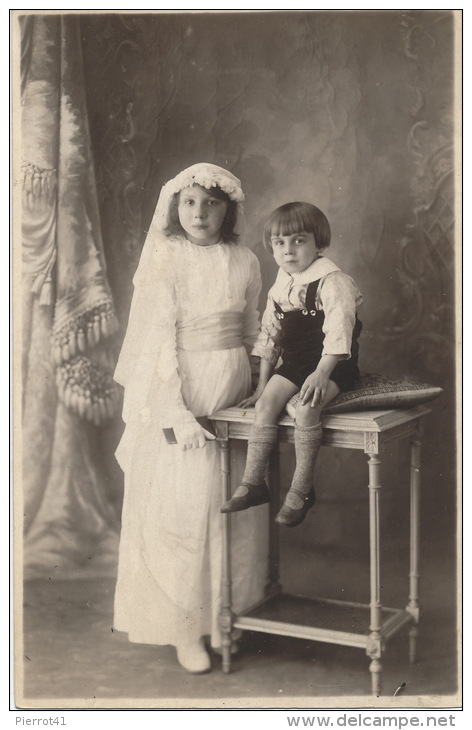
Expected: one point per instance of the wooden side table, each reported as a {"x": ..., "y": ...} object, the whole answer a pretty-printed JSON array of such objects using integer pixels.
[{"x": 338, "y": 622}]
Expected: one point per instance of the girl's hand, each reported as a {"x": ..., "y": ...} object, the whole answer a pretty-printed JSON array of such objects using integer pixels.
[
  {"x": 314, "y": 389},
  {"x": 191, "y": 435}
]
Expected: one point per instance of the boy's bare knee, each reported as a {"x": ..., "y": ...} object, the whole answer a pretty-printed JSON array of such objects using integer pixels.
[
  {"x": 262, "y": 407},
  {"x": 306, "y": 415},
  {"x": 265, "y": 411}
]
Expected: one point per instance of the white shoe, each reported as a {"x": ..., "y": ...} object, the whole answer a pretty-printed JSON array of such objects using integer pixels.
[{"x": 194, "y": 657}]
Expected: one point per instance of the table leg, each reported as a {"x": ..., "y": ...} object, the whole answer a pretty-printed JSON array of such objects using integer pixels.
[
  {"x": 273, "y": 585},
  {"x": 225, "y": 618},
  {"x": 374, "y": 646},
  {"x": 413, "y": 606}
]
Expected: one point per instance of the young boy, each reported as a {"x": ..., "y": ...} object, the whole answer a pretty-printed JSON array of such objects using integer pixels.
[{"x": 310, "y": 322}]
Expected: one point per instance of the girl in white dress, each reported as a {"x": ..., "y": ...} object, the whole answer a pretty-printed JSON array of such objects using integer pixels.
[{"x": 193, "y": 320}]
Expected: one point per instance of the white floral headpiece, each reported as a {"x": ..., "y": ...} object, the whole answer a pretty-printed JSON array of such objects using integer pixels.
[
  {"x": 204, "y": 174},
  {"x": 208, "y": 176}
]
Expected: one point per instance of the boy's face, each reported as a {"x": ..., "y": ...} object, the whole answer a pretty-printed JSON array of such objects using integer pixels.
[
  {"x": 295, "y": 251},
  {"x": 201, "y": 215}
]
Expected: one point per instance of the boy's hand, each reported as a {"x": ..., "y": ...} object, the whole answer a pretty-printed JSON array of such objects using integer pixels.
[
  {"x": 314, "y": 389},
  {"x": 252, "y": 400},
  {"x": 315, "y": 386},
  {"x": 266, "y": 370}
]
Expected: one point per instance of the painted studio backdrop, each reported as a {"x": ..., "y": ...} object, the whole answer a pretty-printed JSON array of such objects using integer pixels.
[{"x": 352, "y": 111}]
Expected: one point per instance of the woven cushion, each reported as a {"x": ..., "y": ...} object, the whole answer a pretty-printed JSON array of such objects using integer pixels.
[{"x": 377, "y": 392}]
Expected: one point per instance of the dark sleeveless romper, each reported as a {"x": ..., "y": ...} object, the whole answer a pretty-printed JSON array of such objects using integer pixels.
[{"x": 301, "y": 340}]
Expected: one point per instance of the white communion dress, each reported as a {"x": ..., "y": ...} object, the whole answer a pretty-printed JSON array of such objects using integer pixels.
[{"x": 190, "y": 358}]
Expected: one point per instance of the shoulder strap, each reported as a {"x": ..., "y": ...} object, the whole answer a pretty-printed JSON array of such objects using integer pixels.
[{"x": 311, "y": 294}]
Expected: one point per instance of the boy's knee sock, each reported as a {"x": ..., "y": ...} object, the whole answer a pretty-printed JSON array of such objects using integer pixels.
[
  {"x": 260, "y": 443},
  {"x": 307, "y": 444}
]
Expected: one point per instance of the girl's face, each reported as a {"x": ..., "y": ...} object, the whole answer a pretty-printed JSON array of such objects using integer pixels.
[
  {"x": 201, "y": 215},
  {"x": 294, "y": 252}
]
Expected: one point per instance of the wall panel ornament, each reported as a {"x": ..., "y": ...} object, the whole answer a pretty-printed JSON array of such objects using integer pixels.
[{"x": 424, "y": 316}]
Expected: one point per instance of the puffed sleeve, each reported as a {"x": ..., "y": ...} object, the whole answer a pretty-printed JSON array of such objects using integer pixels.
[
  {"x": 251, "y": 325},
  {"x": 339, "y": 298},
  {"x": 265, "y": 345}
]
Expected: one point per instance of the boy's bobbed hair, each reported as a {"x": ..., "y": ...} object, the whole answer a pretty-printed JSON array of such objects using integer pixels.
[
  {"x": 295, "y": 218},
  {"x": 228, "y": 234}
]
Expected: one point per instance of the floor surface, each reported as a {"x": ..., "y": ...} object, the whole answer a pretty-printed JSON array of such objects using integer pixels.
[{"x": 72, "y": 655}]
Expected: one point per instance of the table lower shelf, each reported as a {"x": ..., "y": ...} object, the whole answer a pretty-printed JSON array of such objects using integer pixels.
[{"x": 318, "y": 619}]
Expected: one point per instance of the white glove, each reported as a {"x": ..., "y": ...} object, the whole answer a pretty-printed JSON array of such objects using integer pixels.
[{"x": 191, "y": 435}]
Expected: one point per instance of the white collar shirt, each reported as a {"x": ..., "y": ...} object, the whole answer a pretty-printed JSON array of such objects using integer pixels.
[{"x": 337, "y": 296}]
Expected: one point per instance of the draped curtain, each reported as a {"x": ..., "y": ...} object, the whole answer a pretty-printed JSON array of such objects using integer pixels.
[{"x": 68, "y": 314}]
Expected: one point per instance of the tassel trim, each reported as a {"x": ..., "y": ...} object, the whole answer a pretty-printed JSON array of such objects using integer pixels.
[
  {"x": 84, "y": 332},
  {"x": 88, "y": 391},
  {"x": 39, "y": 186}
]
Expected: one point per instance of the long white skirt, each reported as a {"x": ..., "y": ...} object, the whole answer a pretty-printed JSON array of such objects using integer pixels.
[{"x": 170, "y": 560}]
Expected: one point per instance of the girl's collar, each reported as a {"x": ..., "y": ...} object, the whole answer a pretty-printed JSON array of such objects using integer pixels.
[{"x": 196, "y": 245}]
